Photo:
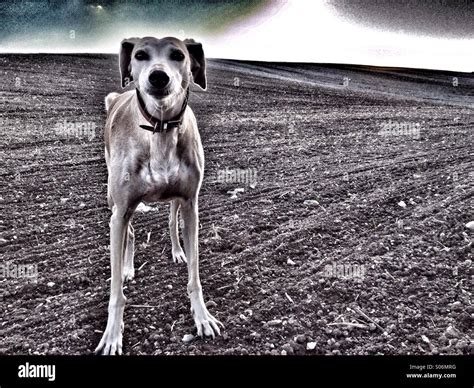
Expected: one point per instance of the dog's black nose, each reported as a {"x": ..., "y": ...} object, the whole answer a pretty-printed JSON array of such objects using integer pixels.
[{"x": 159, "y": 79}]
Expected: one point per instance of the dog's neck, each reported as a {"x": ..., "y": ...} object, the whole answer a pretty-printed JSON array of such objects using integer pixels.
[
  {"x": 162, "y": 115},
  {"x": 167, "y": 108}
]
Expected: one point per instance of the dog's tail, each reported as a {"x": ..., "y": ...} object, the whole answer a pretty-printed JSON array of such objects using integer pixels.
[{"x": 110, "y": 99}]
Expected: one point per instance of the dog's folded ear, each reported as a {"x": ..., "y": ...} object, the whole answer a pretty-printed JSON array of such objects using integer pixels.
[
  {"x": 198, "y": 62},
  {"x": 126, "y": 49}
]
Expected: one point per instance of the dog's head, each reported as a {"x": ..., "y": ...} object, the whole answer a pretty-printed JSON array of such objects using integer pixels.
[{"x": 162, "y": 68}]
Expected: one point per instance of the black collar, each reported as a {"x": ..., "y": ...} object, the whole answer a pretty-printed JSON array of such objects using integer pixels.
[{"x": 158, "y": 125}]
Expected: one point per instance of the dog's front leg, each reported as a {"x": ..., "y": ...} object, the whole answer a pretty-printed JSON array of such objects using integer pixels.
[
  {"x": 206, "y": 324},
  {"x": 111, "y": 342}
]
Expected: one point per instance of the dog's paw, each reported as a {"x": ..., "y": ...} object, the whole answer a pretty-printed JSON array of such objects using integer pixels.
[
  {"x": 128, "y": 273},
  {"x": 178, "y": 255},
  {"x": 111, "y": 342},
  {"x": 206, "y": 324}
]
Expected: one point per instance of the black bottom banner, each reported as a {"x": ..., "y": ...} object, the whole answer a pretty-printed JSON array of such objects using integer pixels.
[{"x": 321, "y": 371}]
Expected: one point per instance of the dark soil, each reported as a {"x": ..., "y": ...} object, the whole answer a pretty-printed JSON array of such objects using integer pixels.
[{"x": 310, "y": 138}]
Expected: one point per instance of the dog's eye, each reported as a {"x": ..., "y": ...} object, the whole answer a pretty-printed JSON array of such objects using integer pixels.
[
  {"x": 177, "y": 55},
  {"x": 141, "y": 55}
]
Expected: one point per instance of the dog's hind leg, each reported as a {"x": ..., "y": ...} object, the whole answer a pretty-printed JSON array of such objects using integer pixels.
[
  {"x": 110, "y": 201},
  {"x": 176, "y": 250},
  {"x": 129, "y": 247}
]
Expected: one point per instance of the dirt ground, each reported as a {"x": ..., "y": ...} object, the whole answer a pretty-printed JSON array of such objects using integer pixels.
[{"x": 331, "y": 190}]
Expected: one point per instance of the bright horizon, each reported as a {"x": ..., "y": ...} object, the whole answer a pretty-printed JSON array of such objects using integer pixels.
[{"x": 296, "y": 31}]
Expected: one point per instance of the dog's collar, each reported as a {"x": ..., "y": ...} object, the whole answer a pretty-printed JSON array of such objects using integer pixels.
[{"x": 158, "y": 125}]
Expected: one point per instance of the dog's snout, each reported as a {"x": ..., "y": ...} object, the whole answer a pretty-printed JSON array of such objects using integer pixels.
[{"x": 159, "y": 79}]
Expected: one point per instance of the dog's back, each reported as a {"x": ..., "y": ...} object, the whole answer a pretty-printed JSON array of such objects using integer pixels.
[
  {"x": 110, "y": 100},
  {"x": 118, "y": 107}
]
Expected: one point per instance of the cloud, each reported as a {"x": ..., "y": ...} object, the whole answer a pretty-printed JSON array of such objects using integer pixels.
[{"x": 435, "y": 18}]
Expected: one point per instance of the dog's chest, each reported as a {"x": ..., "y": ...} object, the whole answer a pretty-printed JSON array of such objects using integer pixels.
[{"x": 163, "y": 174}]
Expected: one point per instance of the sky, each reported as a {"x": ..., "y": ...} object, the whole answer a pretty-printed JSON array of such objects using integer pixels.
[{"x": 434, "y": 34}]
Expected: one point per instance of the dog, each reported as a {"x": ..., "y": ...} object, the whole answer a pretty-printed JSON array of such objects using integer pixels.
[{"x": 154, "y": 153}]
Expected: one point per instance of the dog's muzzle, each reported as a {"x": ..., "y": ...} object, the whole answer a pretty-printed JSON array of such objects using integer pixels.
[{"x": 159, "y": 79}]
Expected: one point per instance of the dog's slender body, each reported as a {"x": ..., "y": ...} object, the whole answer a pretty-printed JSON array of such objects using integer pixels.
[{"x": 151, "y": 166}]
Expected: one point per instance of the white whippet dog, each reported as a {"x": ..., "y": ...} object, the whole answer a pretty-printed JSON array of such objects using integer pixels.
[{"x": 154, "y": 153}]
